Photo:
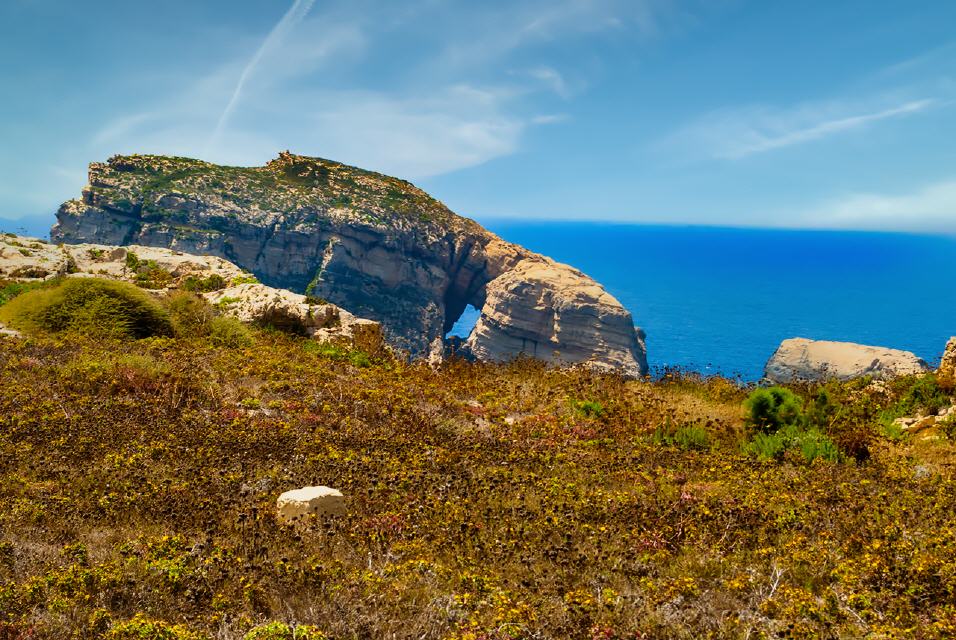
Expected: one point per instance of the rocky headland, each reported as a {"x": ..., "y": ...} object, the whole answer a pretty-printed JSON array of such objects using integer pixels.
[{"x": 375, "y": 245}]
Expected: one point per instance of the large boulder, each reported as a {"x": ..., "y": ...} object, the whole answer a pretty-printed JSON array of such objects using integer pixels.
[
  {"x": 260, "y": 304},
  {"x": 947, "y": 366},
  {"x": 293, "y": 506},
  {"x": 803, "y": 360},
  {"x": 375, "y": 245}
]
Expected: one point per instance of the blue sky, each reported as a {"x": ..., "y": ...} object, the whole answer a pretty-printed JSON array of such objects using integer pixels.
[{"x": 778, "y": 114}]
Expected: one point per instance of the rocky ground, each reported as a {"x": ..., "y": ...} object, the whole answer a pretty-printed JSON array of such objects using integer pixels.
[{"x": 144, "y": 494}]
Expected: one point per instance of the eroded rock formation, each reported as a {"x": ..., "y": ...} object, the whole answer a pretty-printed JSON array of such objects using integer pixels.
[
  {"x": 803, "y": 360},
  {"x": 373, "y": 244},
  {"x": 947, "y": 365}
]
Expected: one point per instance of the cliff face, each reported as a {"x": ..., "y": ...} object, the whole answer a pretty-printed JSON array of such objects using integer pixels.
[{"x": 373, "y": 244}]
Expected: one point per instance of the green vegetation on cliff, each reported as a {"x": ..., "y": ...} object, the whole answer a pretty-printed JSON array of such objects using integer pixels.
[
  {"x": 138, "y": 481},
  {"x": 299, "y": 187}
]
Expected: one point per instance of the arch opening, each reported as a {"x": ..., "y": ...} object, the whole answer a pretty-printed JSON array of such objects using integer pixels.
[{"x": 461, "y": 328}]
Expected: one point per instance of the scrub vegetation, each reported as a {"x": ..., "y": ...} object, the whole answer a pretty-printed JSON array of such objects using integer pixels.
[{"x": 139, "y": 473}]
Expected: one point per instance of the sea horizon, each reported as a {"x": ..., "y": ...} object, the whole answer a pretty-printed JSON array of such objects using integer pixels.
[{"x": 709, "y": 297}]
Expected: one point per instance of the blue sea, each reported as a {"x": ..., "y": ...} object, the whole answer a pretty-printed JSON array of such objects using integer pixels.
[{"x": 718, "y": 300}]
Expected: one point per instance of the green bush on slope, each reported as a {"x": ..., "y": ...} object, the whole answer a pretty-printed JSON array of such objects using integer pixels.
[
  {"x": 771, "y": 409},
  {"x": 89, "y": 306},
  {"x": 779, "y": 424}
]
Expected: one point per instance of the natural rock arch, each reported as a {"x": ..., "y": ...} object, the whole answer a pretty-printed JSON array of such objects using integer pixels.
[{"x": 372, "y": 244}]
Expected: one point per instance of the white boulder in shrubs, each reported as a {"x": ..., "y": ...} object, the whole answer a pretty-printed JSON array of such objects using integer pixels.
[{"x": 297, "y": 504}]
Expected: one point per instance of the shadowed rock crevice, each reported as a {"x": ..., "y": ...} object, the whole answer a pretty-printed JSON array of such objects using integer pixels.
[{"x": 375, "y": 245}]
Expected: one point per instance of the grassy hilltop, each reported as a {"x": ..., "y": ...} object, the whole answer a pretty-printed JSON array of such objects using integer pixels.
[{"x": 138, "y": 480}]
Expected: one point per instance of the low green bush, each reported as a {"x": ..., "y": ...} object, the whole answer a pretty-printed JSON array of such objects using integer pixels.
[
  {"x": 810, "y": 444},
  {"x": 214, "y": 282},
  {"x": 88, "y": 306},
  {"x": 692, "y": 438},
  {"x": 588, "y": 408},
  {"x": 10, "y": 290},
  {"x": 773, "y": 408},
  {"x": 919, "y": 395},
  {"x": 229, "y": 333},
  {"x": 190, "y": 314},
  {"x": 144, "y": 628}
]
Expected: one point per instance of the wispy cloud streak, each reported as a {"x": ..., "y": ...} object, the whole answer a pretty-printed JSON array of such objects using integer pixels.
[
  {"x": 296, "y": 13},
  {"x": 740, "y": 133}
]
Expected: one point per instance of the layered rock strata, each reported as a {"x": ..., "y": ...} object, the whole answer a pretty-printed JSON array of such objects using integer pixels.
[{"x": 373, "y": 244}]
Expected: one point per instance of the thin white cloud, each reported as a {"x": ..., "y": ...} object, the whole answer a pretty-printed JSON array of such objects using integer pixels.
[
  {"x": 739, "y": 133},
  {"x": 550, "y": 118},
  {"x": 932, "y": 207},
  {"x": 552, "y": 79},
  {"x": 501, "y": 30},
  {"x": 455, "y": 101},
  {"x": 296, "y": 13}
]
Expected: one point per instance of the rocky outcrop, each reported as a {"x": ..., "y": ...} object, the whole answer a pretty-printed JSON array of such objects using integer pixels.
[
  {"x": 947, "y": 366},
  {"x": 231, "y": 290},
  {"x": 803, "y": 360},
  {"x": 375, "y": 245},
  {"x": 261, "y": 304}
]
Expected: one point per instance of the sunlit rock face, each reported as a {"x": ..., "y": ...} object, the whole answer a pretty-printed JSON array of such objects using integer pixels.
[
  {"x": 375, "y": 245},
  {"x": 803, "y": 360},
  {"x": 947, "y": 365}
]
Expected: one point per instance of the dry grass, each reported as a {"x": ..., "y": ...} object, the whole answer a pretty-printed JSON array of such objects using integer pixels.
[{"x": 138, "y": 481}]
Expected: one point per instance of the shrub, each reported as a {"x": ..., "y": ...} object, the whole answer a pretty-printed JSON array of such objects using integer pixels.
[
  {"x": 767, "y": 446},
  {"x": 588, "y": 408},
  {"x": 810, "y": 444},
  {"x": 229, "y": 333},
  {"x": 213, "y": 282},
  {"x": 948, "y": 427},
  {"x": 773, "y": 408},
  {"x": 143, "y": 628},
  {"x": 9, "y": 291},
  {"x": 150, "y": 275},
  {"x": 692, "y": 437},
  {"x": 246, "y": 278},
  {"x": 190, "y": 314},
  {"x": 283, "y": 631},
  {"x": 813, "y": 444},
  {"x": 918, "y": 395},
  {"x": 88, "y": 306}
]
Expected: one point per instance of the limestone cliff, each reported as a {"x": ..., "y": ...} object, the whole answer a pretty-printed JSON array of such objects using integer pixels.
[{"x": 373, "y": 244}]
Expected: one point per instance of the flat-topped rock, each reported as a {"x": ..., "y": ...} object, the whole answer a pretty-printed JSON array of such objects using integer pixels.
[
  {"x": 375, "y": 245},
  {"x": 295, "y": 505},
  {"x": 804, "y": 360}
]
